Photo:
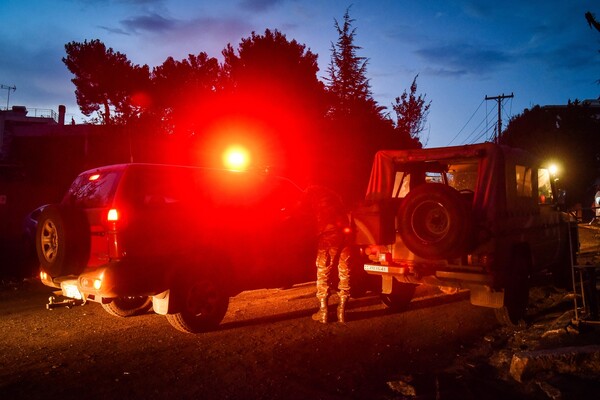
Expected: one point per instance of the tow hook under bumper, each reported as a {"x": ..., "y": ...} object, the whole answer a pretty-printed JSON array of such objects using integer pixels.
[{"x": 68, "y": 303}]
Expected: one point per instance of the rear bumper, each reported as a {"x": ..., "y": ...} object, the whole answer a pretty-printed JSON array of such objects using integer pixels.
[
  {"x": 460, "y": 279},
  {"x": 108, "y": 281}
]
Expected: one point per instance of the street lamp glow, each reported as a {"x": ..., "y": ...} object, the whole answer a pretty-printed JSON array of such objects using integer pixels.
[{"x": 553, "y": 169}]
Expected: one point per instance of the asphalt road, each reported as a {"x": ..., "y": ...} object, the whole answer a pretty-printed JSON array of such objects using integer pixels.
[{"x": 269, "y": 348}]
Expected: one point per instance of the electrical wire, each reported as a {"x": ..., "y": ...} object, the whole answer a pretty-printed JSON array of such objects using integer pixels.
[
  {"x": 464, "y": 126},
  {"x": 484, "y": 121}
]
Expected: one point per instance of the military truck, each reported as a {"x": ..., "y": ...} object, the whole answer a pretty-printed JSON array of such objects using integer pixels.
[{"x": 483, "y": 217}]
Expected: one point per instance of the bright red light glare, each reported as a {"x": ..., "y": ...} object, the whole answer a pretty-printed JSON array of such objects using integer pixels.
[
  {"x": 94, "y": 177},
  {"x": 236, "y": 158}
]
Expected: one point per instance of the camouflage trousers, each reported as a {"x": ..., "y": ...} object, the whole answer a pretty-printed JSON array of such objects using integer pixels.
[{"x": 327, "y": 259}]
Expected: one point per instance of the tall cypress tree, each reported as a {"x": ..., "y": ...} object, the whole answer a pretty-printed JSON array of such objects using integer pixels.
[{"x": 347, "y": 73}]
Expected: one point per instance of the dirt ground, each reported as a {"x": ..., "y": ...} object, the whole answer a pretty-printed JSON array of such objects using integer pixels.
[{"x": 268, "y": 348}]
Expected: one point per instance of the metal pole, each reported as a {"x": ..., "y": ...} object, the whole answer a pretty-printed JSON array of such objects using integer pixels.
[
  {"x": 499, "y": 100},
  {"x": 13, "y": 87}
]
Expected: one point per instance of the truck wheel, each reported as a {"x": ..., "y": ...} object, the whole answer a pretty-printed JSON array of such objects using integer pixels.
[
  {"x": 202, "y": 303},
  {"x": 128, "y": 306},
  {"x": 516, "y": 292},
  {"x": 434, "y": 221},
  {"x": 62, "y": 240},
  {"x": 399, "y": 299}
]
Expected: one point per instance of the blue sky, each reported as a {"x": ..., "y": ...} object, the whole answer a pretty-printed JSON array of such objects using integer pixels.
[{"x": 542, "y": 51}]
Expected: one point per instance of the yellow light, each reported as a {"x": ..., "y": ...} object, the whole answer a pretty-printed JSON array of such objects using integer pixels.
[
  {"x": 236, "y": 158},
  {"x": 97, "y": 284},
  {"x": 553, "y": 169},
  {"x": 94, "y": 177}
]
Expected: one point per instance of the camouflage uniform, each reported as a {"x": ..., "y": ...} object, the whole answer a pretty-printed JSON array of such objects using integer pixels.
[{"x": 331, "y": 222}]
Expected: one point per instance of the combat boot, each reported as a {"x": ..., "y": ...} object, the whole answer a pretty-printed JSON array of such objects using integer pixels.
[
  {"x": 341, "y": 310},
  {"x": 321, "y": 315}
]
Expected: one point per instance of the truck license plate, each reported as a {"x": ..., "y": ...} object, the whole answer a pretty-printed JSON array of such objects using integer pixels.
[
  {"x": 376, "y": 268},
  {"x": 71, "y": 291}
]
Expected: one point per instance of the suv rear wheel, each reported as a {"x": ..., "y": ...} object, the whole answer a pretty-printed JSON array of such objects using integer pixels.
[
  {"x": 201, "y": 302},
  {"x": 62, "y": 240},
  {"x": 128, "y": 306}
]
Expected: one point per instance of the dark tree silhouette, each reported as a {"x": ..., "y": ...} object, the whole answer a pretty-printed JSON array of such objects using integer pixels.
[
  {"x": 567, "y": 135},
  {"x": 106, "y": 81},
  {"x": 270, "y": 65},
  {"x": 411, "y": 113},
  {"x": 358, "y": 128},
  {"x": 592, "y": 22},
  {"x": 181, "y": 91},
  {"x": 347, "y": 73}
]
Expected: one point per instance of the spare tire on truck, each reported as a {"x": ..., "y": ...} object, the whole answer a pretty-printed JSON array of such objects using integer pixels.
[
  {"x": 434, "y": 221},
  {"x": 62, "y": 240}
]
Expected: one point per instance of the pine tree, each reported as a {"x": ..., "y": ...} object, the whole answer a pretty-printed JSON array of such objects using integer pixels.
[
  {"x": 347, "y": 80},
  {"x": 106, "y": 82}
]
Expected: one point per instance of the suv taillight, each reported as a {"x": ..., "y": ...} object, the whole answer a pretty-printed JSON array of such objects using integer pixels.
[{"x": 114, "y": 243}]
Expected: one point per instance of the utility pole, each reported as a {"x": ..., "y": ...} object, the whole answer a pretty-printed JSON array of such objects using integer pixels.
[{"x": 499, "y": 100}]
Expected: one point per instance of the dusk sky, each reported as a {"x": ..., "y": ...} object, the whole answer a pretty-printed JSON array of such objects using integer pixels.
[{"x": 543, "y": 52}]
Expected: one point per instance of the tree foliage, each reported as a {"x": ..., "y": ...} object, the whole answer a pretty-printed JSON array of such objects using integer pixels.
[
  {"x": 593, "y": 23},
  {"x": 274, "y": 71},
  {"x": 271, "y": 62},
  {"x": 265, "y": 95},
  {"x": 411, "y": 113},
  {"x": 180, "y": 91},
  {"x": 347, "y": 73},
  {"x": 106, "y": 81},
  {"x": 271, "y": 86},
  {"x": 567, "y": 135}
]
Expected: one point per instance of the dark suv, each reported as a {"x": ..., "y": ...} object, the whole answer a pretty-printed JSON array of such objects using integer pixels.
[{"x": 180, "y": 239}]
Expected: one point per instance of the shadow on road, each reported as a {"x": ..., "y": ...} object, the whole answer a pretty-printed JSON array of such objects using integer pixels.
[{"x": 363, "y": 308}]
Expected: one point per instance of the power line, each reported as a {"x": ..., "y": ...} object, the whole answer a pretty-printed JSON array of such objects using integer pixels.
[
  {"x": 477, "y": 133},
  {"x": 484, "y": 121},
  {"x": 467, "y": 123}
]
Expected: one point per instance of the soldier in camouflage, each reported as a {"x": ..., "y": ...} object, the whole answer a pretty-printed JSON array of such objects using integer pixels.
[{"x": 332, "y": 224}]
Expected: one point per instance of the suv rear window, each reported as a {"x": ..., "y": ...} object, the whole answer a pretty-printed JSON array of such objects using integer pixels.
[
  {"x": 159, "y": 186},
  {"x": 93, "y": 189},
  {"x": 459, "y": 174}
]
